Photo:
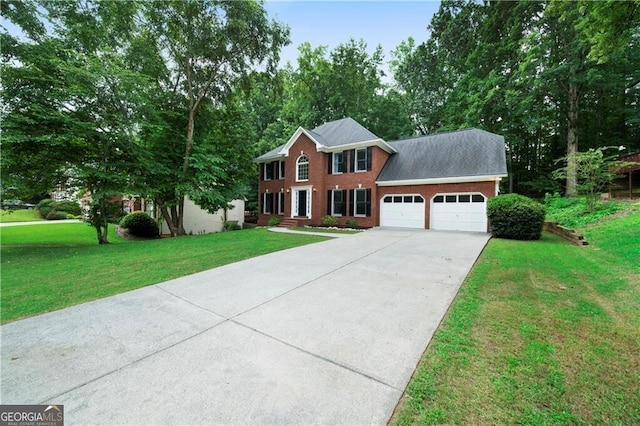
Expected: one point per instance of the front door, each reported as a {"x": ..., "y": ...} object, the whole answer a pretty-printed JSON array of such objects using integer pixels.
[{"x": 301, "y": 202}]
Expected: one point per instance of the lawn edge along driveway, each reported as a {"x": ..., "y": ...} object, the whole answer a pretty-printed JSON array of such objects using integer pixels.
[{"x": 326, "y": 333}]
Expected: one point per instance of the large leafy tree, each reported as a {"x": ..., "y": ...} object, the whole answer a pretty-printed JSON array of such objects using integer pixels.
[
  {"x": 198, "y": 51},
  {"x": 532, "y": 71},
  {"x": 69, "y": 102}
]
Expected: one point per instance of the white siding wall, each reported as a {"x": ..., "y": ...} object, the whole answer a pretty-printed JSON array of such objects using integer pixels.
[{"x": 199, "y": 221}]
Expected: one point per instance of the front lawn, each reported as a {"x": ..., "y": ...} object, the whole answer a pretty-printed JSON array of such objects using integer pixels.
[
  {"x": 324, "y": 230},
  {"x": 22, "y": 215},
  {"x": 48, "y": 267},
  {"x": 541, "y": 332}
]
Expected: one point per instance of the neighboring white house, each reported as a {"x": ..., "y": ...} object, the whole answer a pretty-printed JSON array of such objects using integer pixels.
[{"x": 200, "y": 221}]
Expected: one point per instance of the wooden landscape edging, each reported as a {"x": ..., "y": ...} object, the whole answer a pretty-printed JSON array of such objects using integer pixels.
[{"x": 566, "y": 233}]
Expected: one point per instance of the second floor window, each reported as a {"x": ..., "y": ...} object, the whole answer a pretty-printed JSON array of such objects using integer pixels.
[
  {"x": 361, "y": 160},
  {"x": 302, "y": 169},
  {"x": 338, "y": 163}
]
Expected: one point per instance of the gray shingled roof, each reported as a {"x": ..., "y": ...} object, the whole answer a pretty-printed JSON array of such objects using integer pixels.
[
  {"x": 469, "y": 152},
  {"x": 334, "y": 133},
  {"x": 342, "y": 132}
]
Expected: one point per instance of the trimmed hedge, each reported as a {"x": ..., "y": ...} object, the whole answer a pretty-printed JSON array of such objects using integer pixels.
[
  {"x": 48, "y": 206},
  {"x": 515, "y": 217},
  {"x": 141, "y": 225}
]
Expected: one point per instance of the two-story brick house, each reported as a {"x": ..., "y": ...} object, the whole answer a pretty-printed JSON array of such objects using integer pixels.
[{"x": 342, "y": 169}]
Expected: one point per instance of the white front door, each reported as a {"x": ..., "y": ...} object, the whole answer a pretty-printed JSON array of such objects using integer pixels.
[{"x": 301, "y": 202}]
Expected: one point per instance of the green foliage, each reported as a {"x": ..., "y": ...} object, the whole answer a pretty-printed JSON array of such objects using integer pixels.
[
  {"x": 352, "y": 224},
  {"x": 592, "y": 171},
  {"x": 70, "y": 207},
  {"x": 516, "y": 217},
  {"x": 232, "y": 226},
  {"x": 574, "y": 212},
  {"x": 140, "y": 224},
  {"x": 329, "y": 220},
  {"x": 46, "y": 206},
  {"x": 274, "y": 221},
  {"x": 56, "y": 215}
]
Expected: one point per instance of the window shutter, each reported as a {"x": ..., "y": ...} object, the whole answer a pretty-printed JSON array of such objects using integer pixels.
[
  {"x": 329, "y": 197},
  {"x": 352, "y": 160},
  {"x": 261, "y": 171},
  {"x": 369, "y": 157},
  {"x": 343, "y": 210},
  {"x": 261, "y": 207},
  {"x": 352, "y": 200},
  {"x": 330, "y": 155},
  {"x": 368, "y": 202}
]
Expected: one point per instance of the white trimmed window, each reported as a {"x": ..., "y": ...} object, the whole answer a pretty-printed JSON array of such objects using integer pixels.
[{"x": 302, "y": 168}]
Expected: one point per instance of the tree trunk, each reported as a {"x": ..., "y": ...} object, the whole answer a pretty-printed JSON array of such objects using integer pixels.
[
  {"x": 572, "y": 139},
  {"x": 167, "y": 217}
]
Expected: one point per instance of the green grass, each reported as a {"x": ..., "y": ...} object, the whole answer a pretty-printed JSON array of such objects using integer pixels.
[
  {"x": 19, "y": 216},
  {"x": 541, "y": 332},
  {"x": 324, "y": 230},
  {"x": 573, "y": 212},
  {"x": 48, "y": 267}
]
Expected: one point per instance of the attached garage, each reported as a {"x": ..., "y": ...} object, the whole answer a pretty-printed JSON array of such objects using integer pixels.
[
  {"x": 459, "y": 212},
  {"x": 402, "y": 211}
]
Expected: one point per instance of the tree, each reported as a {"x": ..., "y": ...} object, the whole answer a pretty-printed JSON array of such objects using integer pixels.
[
  {"x": 200, "y": 50},
  {"x": 593, "y": 172},
  {"x": 70, "y": 103}
]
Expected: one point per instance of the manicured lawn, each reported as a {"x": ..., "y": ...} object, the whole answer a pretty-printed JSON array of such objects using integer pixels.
[
  {"x": 541, "y": 333},
  {"x": 48, "y": 267},
  {"x": 21, "y": 215}
]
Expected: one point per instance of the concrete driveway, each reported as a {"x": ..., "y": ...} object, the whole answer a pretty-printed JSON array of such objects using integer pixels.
[{"x": 328, "y": 333}]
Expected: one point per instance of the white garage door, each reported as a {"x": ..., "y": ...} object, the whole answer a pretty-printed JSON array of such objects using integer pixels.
[
  {"x": 403, "y": 211},
  {"x": 459, "y": 212}
]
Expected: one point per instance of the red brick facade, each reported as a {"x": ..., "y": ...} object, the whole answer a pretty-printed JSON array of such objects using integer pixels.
[{"x": 320, "y": 182}]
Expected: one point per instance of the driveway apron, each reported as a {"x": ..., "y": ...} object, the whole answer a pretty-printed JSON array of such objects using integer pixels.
[{"x": 328, "y": 333}]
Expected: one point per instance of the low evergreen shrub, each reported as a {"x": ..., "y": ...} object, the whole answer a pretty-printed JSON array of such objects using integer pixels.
[
  {"x": 274, "y": 221},
  {"x": 70, "y": 207},
  {"x": 329, "y": 220},
  {"x": 515, "y": 217},
  {"x": 232, "y": 226},
  {"x": 352, "y": 224},
  {"x": 46, "y": 206},
  {"x": 56, "y": 215},
  {"x": 140, "y": 224}
]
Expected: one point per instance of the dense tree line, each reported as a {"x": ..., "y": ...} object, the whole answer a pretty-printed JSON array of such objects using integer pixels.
[
  {"x": 173, "y": 99},
  {"x": 552, "y": 77}
]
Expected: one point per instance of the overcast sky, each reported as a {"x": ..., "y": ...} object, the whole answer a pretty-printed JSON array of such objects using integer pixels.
[{"x": 333, "y": 22}]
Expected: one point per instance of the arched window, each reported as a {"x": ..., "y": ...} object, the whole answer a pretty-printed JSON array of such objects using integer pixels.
[{"x": 302, "y": 169}]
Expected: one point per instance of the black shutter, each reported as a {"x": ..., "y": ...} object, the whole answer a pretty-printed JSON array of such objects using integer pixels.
[
  {"x": 368, "y": 202},
  {"x": 369, "y": 157},
  {"x": 329, "y": 196},
  {"x": 352, "y": 160},
  {"x": 330, "y": 155},
  {"x": 343, "y": 210},
  {"x": 261, "y": 171},
  {"x": 351, "y": 201},
  {"x": 261, "y": 207}
]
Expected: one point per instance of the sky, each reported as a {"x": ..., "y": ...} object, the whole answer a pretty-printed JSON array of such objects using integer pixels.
[{"x": 330, "y": 23}]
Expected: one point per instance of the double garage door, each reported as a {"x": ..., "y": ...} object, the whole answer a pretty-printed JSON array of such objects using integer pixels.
[{"x": 451, "y": 212}]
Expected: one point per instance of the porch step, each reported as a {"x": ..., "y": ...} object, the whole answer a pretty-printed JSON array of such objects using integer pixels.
[{"x": 288, "y": 223}]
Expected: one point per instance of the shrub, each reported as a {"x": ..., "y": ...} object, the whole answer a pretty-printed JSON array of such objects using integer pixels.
[
  {"x": 56, "y": 215},
  {"x": 274, "y": 221},
  {"x": 352, "y": 224},
  {"x": 140, "y": 224},
  {"x": 515, "y": 217},
  {"x": 232, "y": 226},
  {"x": 329, "y": 220},
  {"x": 70, "y": 207},
  {"x": 46, "y": 206}
]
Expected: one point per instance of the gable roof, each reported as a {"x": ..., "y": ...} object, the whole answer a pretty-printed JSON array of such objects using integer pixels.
[
  {"x": 337, "y": 135},
  {"x": 470, "y": 154}
]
